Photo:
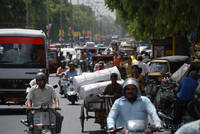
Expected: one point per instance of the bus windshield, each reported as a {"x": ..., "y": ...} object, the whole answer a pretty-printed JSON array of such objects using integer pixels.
[{"x": 22, "y": 55}]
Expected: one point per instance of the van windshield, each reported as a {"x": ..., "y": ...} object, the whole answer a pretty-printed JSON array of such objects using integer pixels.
[{"x": 22, "y": 55}]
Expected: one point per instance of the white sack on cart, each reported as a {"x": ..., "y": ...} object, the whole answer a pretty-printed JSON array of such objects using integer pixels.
[
  {"x": 91, "y": 90},
  {"x": 89, "y": 93},
  {"x": 94, "y": 77},
  {"x": 180, "y": 73}
]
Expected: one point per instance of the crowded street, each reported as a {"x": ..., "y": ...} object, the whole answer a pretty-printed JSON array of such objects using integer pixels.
[{"x": 99, "y": 67}]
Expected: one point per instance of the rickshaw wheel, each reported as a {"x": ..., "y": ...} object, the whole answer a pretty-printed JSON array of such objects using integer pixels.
[{"x": 82, "y": 118}]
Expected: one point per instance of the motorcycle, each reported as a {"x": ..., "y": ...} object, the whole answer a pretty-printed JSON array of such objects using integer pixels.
[
  {"x": 165, "y": 105},
  {"x": 134, "y": 127},
  {"x": 63, "y": 82},
  {"x": 41, "y": 120},
  {"x": 152, "y": 89},
  {"x": 69, "y": 91}
]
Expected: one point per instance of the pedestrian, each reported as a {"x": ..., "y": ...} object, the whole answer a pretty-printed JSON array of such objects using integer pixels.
[
  {"x": 136, "y": 73},
  {"x": 128, "y": 66},
  {"x": 142, "y": 65},
  {"x": 116, "y": 61}
]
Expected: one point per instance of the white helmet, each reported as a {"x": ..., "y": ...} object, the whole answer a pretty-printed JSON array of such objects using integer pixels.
[{"x": 131, "y": 81}]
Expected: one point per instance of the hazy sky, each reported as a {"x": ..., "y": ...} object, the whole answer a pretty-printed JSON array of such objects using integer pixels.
[{"x": 97, "y": 5}]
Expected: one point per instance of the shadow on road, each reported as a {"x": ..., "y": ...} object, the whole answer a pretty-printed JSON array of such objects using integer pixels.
[
  {"x": 76, "y": 104},
  {"x": 96, "y": 132},
  {"x": 7, "y": 111}
]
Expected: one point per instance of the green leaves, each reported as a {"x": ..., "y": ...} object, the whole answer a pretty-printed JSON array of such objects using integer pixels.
[{"x": 158, "y": 18}]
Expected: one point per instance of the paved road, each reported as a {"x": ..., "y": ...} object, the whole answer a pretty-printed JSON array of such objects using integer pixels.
[{"x": 10, "y": 117}]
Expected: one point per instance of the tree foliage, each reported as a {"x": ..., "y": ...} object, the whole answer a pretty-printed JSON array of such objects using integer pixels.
[
  {"x": 78, "y": 17},
  {"x": 10, "y": 12},
  {"x": 149, "y": 19}
]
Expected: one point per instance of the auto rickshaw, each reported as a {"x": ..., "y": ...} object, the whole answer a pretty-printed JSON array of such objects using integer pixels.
[
  {"x": 159, "y": 69},
  {"x": 165, "y": 66}
]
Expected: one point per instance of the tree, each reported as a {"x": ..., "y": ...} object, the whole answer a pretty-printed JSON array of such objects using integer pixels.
[
  {"x": 12, "y": 13},
  {"x": 79, "y": 17},
  {"x": 150, "y": 19}
]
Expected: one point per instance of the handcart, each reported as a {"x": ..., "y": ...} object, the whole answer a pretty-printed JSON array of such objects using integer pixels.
[{"x": 102, "y": 104}]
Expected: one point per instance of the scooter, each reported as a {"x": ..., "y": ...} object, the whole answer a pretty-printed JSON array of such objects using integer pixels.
[
  {"x": 63, "y": 85},
  {"x": 41, "y": 120},
  {"x": 134, "y": 127},
  {"x": 70, "y": 92}
]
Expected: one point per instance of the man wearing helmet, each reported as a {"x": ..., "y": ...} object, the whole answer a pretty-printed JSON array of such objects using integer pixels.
[
  {"x": 43, "y": 93},
  {"x": 71, "y": 72},
  {"x": 131, "y": 106}
]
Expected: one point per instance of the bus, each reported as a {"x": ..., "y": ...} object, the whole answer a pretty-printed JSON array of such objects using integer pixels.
[{"x": 23, "y": 53}]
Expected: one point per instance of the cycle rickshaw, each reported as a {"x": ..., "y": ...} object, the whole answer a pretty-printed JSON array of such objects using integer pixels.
[{"x": 101, "y": 104}]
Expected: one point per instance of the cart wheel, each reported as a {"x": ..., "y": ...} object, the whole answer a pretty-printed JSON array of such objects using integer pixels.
[{"x": 82, "y": 118}]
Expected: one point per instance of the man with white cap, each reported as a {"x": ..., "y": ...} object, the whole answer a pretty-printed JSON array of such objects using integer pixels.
[{"x": 132, "y": 106}]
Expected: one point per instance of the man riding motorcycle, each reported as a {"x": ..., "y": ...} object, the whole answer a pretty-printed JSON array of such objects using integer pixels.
[
  {"x": 131, "y": 106},
  {"x": 60, "y": 71},
  {"x": 62, "y": 68},
  {"x": 70, "y": 73},
  {"x": 43, "y": 93}
]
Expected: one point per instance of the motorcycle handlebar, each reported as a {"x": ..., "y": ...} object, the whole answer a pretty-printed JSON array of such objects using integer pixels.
[{"x": 39, "y": 108}]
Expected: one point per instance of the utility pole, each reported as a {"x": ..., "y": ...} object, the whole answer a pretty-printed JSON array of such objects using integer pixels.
[
  {"x": 78, "y": 20},
  {"x": 60, "y": 14},
  {"x": 48, "y": 26},
  {"x": 47, "y": 8},
  {"x": 27, "y": 14},
  {"x": 61, "y": 31}
]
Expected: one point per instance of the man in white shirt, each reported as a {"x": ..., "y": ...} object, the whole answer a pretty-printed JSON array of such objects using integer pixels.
[{"x": 142, "y": 65}]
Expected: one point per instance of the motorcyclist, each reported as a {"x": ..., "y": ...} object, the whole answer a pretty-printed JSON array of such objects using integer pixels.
[
  {"x": 44, "y": 93},
  {"x": 62, "y": 68},
  {"x": 71, "y": 72},
  {"x": 61, "y": 73},
  {"x": 131, "y": 106}
]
